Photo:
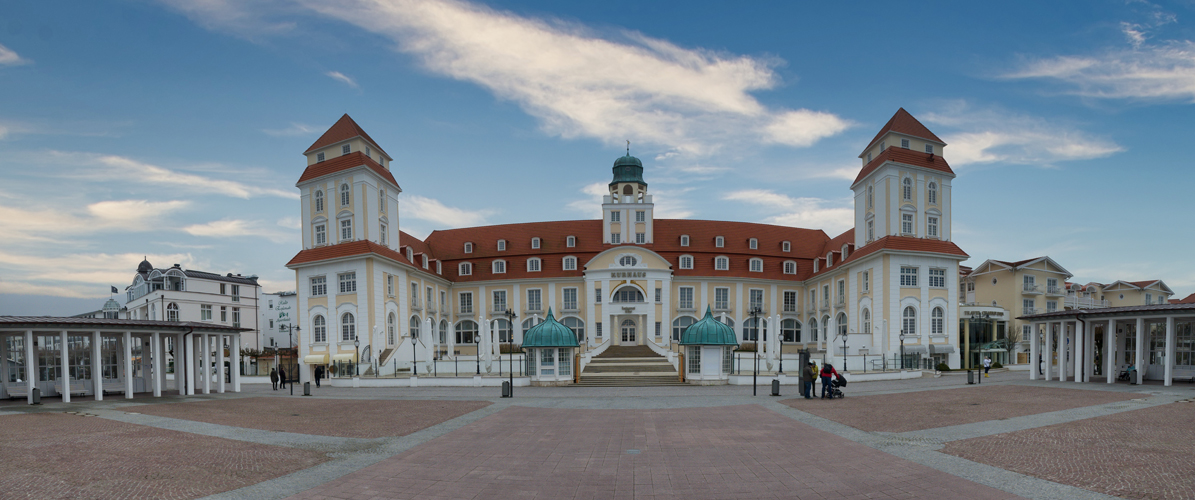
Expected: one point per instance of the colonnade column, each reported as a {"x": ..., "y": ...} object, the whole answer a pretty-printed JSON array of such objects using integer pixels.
[
  {"x": 31, "y": 375},
  {"x": 1110, "y": 351},
  {"x": 128, "y": 365},
  {"x": 156, "y": 355},
  {"x": 180, "y": 364},
  {"x": 220, "y": 363},
  {"x": 4, "y": 357},
  {"x": 1034, "y": 349},
  {"x": 1169, "y": 359},
  {"x": 236, "y": 365},
  {"x": 1139, "y": 354},
  {"x": 206, "y": 355},
  {"x": 97, "y": 366},
  {"x": 189, "y": 360},
  {"x": 64, "y": 368},
  {"x": 1080, "y": 351}
]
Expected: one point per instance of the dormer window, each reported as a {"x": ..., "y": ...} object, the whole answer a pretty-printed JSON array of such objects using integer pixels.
[
  {"x": 790, "y": 267},
  {"x": 499, "y": 267},
  {"x": 465, "y": 269},
  {"x": 425, "y": 262},
  {"x": 410, "y": 255},
  {"x": 868, "y": 157},
  {"x": 816, "y": 263},
  {"x": 721, "y": 263},
  {"x": 753, "y": 243},
  {"x": 570, "y": 263},
  {"x": 929, "y": 148},
  {"x": 829, "y": 259},
  {"x": 501, "y": 245},
  {"x": 468, "y": 247},
  {"x": 319, "y": 156},
  {"x": 345, "y": 149},
  {"x": 684, "y": 240},
  {"x": 786, "y": 246},
  {"x": 904, "y": 143},
  {"x": 719, "y": 242},
  {"x": 686, "y": 262},
  {"x": 533, "y": 265},
  {"x": 570, "y": 242},
  {"x": 534, "y": 242},
  {"x": 757, "y": 265}
]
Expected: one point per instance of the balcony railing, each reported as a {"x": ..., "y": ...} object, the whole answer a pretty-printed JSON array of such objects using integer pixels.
[
  {"x": 1030, "y": 288},
  {"x": 415, "y": 304},
  {"x": 1086, "y": 303},
  {"x": 723, "y": 306},
  {"x": 840, "y": 303},
  {"x": 1055, "y": 290},
  {"x": 790, "y": 308},
  {"x": 685, "y": 306},
  {"x": 1026, "y": 311}
]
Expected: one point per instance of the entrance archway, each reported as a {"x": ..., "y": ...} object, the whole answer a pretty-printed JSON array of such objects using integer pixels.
[{"x": 628, "y": 333}]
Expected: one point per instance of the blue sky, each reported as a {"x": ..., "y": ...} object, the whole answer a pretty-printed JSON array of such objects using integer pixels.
[{"x": 174, "y": 128}]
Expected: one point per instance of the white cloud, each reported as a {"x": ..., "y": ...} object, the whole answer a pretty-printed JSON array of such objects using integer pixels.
[
  {"x": 590, "y": 202},
  {"x": 234, "y": 228},
  {"x": 295, "y": 129},
  {"x": 848, "y": 172},
  {"x": 291, "y": 222},
  {"x": 245, "y": 19},
  {"x": 49, "y": 225},
  {"x": 10, "y": 58},
  {"x": 993, "y": 135},
  {"x": 79, "y": 275},
  {"x": 341, "y": 77},
  {"x": 432, "y": 210},
  {"x": 833, "y": 217},
  {"x": 112, "y": 167}
]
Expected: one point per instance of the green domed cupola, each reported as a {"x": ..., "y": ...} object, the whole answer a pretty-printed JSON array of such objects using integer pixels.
[
  {"x": 708, "y": 331},
  {"x": 628, "y": 169},
  {"x": 549, "y": 333}
]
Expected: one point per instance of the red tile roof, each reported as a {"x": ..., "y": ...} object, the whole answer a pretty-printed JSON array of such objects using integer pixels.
[
  {"x": 907, "y": 157},
  {"x": 903, "y": 123},
  {"x": 899, "y": 243},
  {"x": 1190, "y": 299},
  {"x": 1018, "y": 263},
  {"x": 346, "y": 162},
  {"x": 1142, "y": 284},
  {"x": 344, "y": 128},
  {"x": 349, "y": 249}
]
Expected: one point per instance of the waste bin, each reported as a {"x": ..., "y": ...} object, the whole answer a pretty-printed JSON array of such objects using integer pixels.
[
  {"x": 306, "y": 388},
  {"x": 506, "y": 388},
  {"x": 970, "y": 377},
  {"x": 775, "y": 387},
  {"x": 36, "y": 396}
]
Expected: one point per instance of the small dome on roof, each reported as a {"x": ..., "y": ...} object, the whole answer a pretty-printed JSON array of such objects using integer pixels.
[
  {"x": 549, "y": 333},
  {"x": 628, "y": 169},
  {"x": 708, "y": 331},
  {"x": 111, "y": 305},
  {"x": 145, "y": 266}
]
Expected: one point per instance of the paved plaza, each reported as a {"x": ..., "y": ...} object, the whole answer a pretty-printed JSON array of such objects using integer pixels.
[{"x": 921, "y": 438}]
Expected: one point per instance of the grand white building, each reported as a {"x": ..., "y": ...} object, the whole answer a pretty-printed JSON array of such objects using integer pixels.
[
  {"x": 177, "y": 294},
  {"x": 889, "y": 283}
]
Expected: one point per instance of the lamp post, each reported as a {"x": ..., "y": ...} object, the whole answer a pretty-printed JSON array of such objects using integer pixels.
[
  {"x": 357, "y": 361},
  {"x": 755, "y": 324},
  {"x": 414, "y": 354},
  {"x": 844, "y": 352},
  {"x": 477, "y": 344},
  {"x": 291, "y": 332},
  {"x": 510, "y": 345},
  {"x": 902, "y": 348},
  {"x": 781, "y": 341}
]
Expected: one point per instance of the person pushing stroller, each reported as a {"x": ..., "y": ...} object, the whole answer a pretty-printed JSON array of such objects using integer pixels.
[{"x": 828, "y": 371}]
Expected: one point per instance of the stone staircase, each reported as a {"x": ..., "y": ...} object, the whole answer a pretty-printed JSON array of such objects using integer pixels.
[{"x": 629, "y": 366}]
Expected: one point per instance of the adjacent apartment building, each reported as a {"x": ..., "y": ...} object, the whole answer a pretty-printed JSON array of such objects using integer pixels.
[{"x": 177, "y": 294}]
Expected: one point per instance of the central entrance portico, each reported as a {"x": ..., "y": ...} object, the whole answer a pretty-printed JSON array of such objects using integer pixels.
[{"x": 628, "y": 332}]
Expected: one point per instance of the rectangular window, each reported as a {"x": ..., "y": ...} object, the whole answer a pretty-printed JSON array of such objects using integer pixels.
[
  {"x": 929, "y": 148},
  {"x": 390, "y": 285},
  {"x": 565, "y": 362},
  {"x": 615, "y": 238},
  {"x": 414, "y": 294},
  {"x": 382, "y": 235},
  {"x": 223, "y": 314},
  {"x": 346, "y": 229},
  {"x": 597, "y": 295},
  {"x": 1051, "y": 305},
  {"x": 866, "y": 281},
  {"x": 443, "y": 300},
  {"x": 825, "y": 295},
  {"x": 532, "y": 265},
  {"x": 345, "y": 149},
  {"x": 685, "y": 299},
  {"x": 466, "y": 302},
  {"x": 906, "y": 223},
  {"x": 659, "y": 295},
  {"x": 684, "y": 240},
  {"x": 319, "y": 156},
  {"x": 236, "y": 293},
  {"x": 686, "y": 262},
  {"x": 871, "y": 230},
  {"x": 790, "y": 301},
  {"x": 640, "y": 238},
  {"x": 236, "y": 317},
  {"x": 534, "y": 302},
  {"x": 205, "y": 312},
  {"x": 570, "y": 299},
  {"x": 348, "y": 282},
  {"x": 904, "y": 143},
  {"x": 615, "y": 216},
  {"x": 658, "y": 327},
  {"x": 598, "y": 329},
  {"x": 908, "y": 276},
  {"x": 931, "y": 226},
  {"x": 722, "y": 298},
  {"x": 319, "y": 286},
  {"x": 499, "y": 267},
  {"x": 321, "y": 234},
  {"x": 640, "y": 216},
  {"x": 756, "y": 299},
  {"x": 223, "y": 289},
  {"x": 694, "y": 359},
  {"x": 499, "y": 300},
  {"x": 937, "y": 278}
]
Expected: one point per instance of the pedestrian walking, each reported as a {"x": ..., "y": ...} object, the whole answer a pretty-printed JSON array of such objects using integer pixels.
[
  {"x": 827, "y": 372},
  {"x": 987, "y": 365},
  {"x": 274, "y": 378},
  {"x": 319, "y": 373},
  {"x": 282, "y": 379},
  {"x": 807, "y": 375},
  {"x": 813, "y": 381}
]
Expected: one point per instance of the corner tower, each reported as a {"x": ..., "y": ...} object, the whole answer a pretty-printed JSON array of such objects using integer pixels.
[{"x": 627, "y": 210}]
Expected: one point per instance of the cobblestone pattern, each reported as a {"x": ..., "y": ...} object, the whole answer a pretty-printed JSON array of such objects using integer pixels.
[
  {"x": 1144, "y": 453},
  {"x": 63, "y": 456},
  {"x": 724, "y": 453},
  {"x": 322, "y": 417},
  {"x": 912, "y": 411}
]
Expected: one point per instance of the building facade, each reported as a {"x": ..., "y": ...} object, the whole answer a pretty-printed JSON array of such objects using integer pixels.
[
  {"x": 177, "y": 294},
  {"x": 275, "y": 317},
  {"x": 366, "y": 287}
]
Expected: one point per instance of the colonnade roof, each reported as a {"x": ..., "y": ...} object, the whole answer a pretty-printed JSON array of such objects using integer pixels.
[
  {"x": 1114, "y": 312},
  {"x": 138, "y": 325}
]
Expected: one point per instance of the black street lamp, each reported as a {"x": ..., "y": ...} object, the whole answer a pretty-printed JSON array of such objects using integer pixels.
[
  {"x": 357, "y": 362},
  {"x": 844, "y": 352},
  {"x": 754, "y": 312},
  {"x": 510, "y": 345},
  {"x": 902, "y": 349},
  {"x": 291, "y": 332},
  {"x": 781, "y": 341},
  {"x": 477, "y": 349},
  {"x": 414, "y": 354}
]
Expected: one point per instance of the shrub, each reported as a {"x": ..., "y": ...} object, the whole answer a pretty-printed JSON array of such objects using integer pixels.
[
  {"x": 747, "y": 347},
  {"x": 996, "y": 364},
  {"x": 943, "y": 367}
]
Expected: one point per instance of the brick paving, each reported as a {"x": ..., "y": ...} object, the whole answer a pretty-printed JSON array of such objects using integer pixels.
[
  {"x": 353, "y": 418},
  {"x": 914, "y": 411},
  {"x": 57, "y": 455},
  {"x": 1143, "y": 453},
  {"x": 725, "y": 452}
]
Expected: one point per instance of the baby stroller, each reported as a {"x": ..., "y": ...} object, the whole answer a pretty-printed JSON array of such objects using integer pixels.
[{"x": 835, "y": 384}]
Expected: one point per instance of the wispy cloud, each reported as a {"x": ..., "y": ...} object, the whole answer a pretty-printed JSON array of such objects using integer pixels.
[
  {"x": 433, "y": 210},
  {"x": 590, "y": 202},
  {"x": 977, "y": 135},
  {"x": 342, "y": 78},
  {"x": 295, "y": 129},
  {"x": 244, "y": 19},
  {"x": 237, "y": 228},
  {"x": 831, "y": 216},
  {"x": 107, "y": 167},
  {"x": 81, "y": 274},
  {"x": 52, "y": 225},
  {"x": 8, "y": 57}
]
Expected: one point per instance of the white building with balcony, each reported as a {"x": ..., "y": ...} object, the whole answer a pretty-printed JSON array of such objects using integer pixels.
[{"x": 177, "y": 294}]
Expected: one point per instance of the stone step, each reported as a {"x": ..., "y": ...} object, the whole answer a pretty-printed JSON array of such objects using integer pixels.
[
  {"x": 629, "y": 360},
  {"x": 656, "y": 381},
  {"x": 636, "y": 351},
  {"x": 630, "y": 370}
]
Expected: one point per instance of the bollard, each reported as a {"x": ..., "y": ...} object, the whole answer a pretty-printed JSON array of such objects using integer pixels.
[
  {"x": 36, "y": 395},
  {"x": 970, "y": 377},
  {"x": 775, "y": 387},
  {"x": 505, "y": 389},
  {"x": 306, "y": 388}
]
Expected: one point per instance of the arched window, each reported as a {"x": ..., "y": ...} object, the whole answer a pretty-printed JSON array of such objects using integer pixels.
[
  {"x": 321, "y": 329},
  {"x": 728, "y": 321},
  {"x": 790, "y": 267},
  {"x": 344, "y": 195},
  {"x": 465, "y": 269},
  {"x": 757, "y": 265},
  {"x": 534, "y": 242},
  {"x": 721, "y": 263},
  {"x": 627, "y": 261},
  {"x": 466, "y": 332},
  {"x": 866, "y": 321},
  {"x": 841, "y": 324},
  {"x": 680, "y": 324},
  {"x": 319, "y": 200},
  {"x": 348, "y": 327},
  {"x": 576, "y": 325},
  {"x": 932, "y": 192},
  {"x": 570, "y": 263},
  {"x": 686, "y": 262},
  {"x": 501, "y": 245},
  {"x": 786, "y": 246},
  {"x": 790, "y": 330},
  {"x": 909, "y": 327},
  {"x": 391, "y": 327},
  {"x": 908, "y": 189},
  {"x": 937, "y": 324},
  {"x": 570, "y": 242},
  {"x": 684, "y": 240},
  {"x": 503, "y": 327},
  {"x": 813, "y": 329},
  {"x": 628, "y": 294},
  {"x": 499, "y": 267},
  {"x": 751, "y": 330},
  {"x": 468, "y": 247},
  {"x": 531, "y": 322},
  {"x": 172, "y": 312},
  {"x": 533, "y": 265},
  {"x": 443, "y": 332},
  {"x": 719, "y": 242}
]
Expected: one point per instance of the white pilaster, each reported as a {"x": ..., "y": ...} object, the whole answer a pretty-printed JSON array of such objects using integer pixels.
[
  {"x": 1034, "y": 340},
  {"x": 236, "y": 356},
  {"x": 1080, "y": 350},
  {"x": 180, "y": 364},
  {"x": 220, "y": 370},
  {"x": 1110, "y": 351},
  {"x": 156, "y": 354},
  {"x": 189, "y": 349},
  {"x": 127, "y": 350},
  {"x": 65, "y": 368},
  {"x": 30, "y": 364},
  {"x": 1169, "y": 360},
  {"x": 97, "y": 367},
  {"x": 1139, "y": 354},
  {"x": 206, "y": 362}
]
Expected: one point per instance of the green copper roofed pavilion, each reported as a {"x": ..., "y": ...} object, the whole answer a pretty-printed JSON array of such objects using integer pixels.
[
  {"x": 628, "y": 169},
  {"x": 549, "y": 333},
  {"x": 708, "y": 331}
]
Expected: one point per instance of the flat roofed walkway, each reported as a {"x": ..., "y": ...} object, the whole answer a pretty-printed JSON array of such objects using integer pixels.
[{"x": 743, "y": 451}]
